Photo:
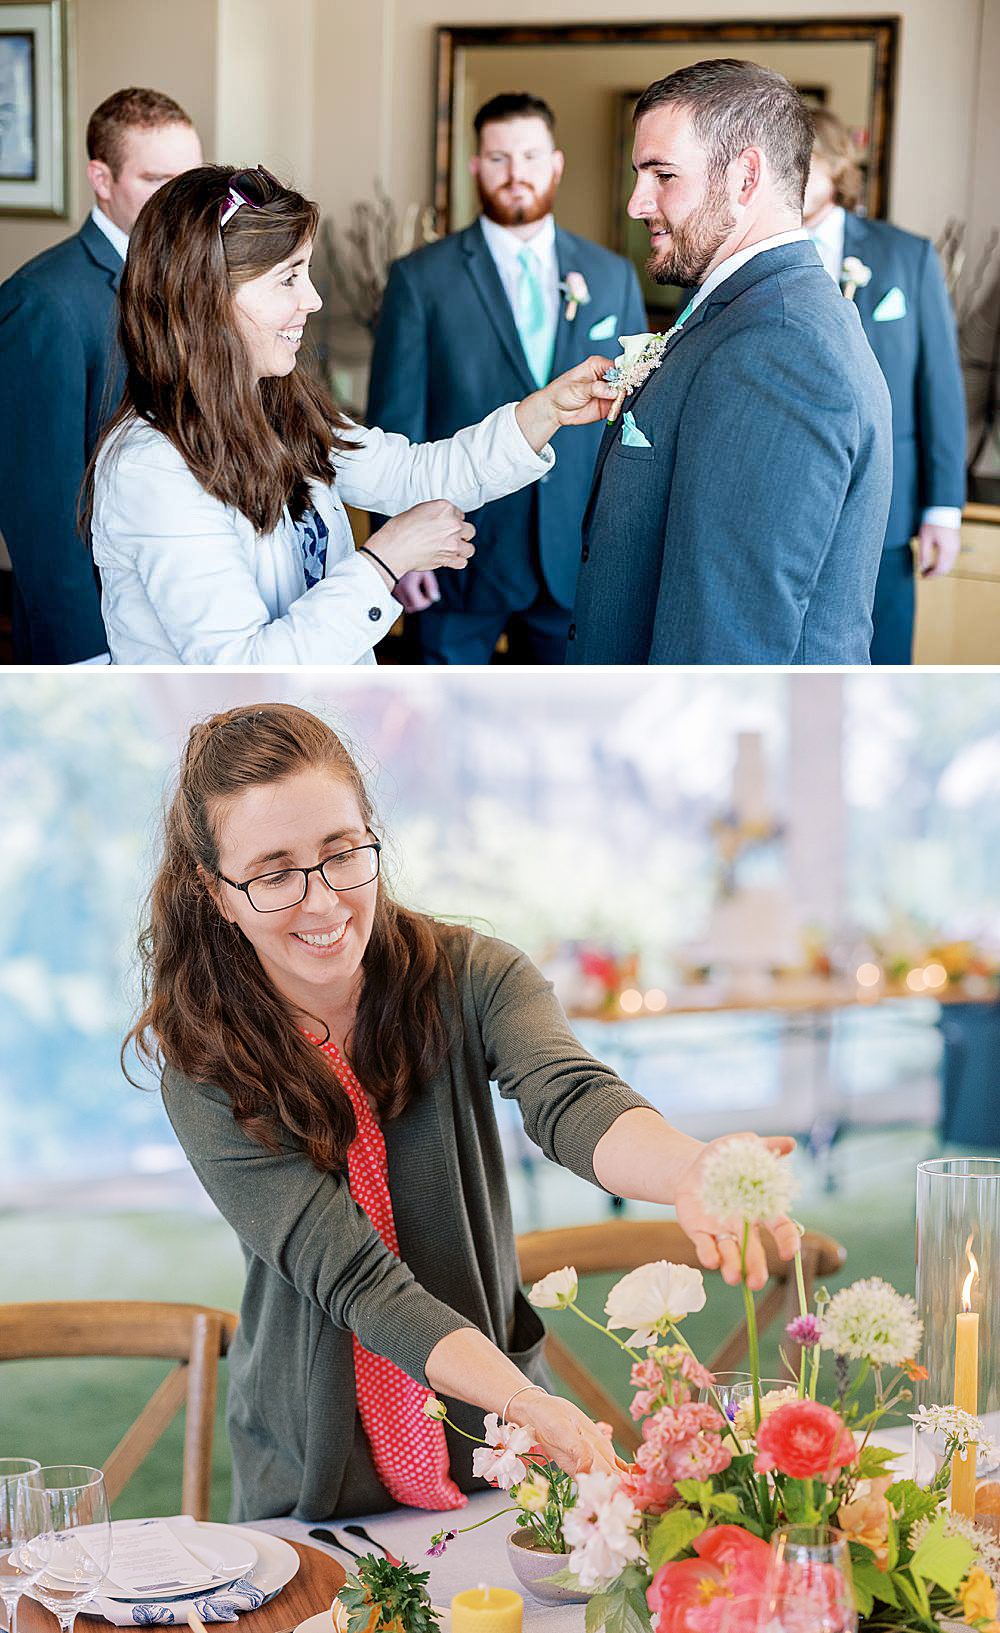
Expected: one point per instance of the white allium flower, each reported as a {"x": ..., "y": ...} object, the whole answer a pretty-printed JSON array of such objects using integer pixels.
[
  {"x": 954, "y": 1424},
  {"x": 987, "y": 1546},
  {"x": 556, "y": 1290},
  {"x": 600, "y": 1530},
  {"x": 744, "y": 1180},
  {"x": 650, "y": 1297},
  {"x": 871, "y": 1321},
  {"x": 499, "y": 1460}
]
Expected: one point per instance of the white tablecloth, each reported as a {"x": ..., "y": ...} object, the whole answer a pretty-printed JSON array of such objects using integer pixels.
[{"x": 478, "y": 1557}]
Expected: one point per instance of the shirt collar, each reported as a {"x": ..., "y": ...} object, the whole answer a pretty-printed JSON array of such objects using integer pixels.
[
  {"x": 732, "y": 264},
  {"x": 502, "y": 241},
  {"x": 829, "y": 233},
  {"x": 116, "y": 238}
]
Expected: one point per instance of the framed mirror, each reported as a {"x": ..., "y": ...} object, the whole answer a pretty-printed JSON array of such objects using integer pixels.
[{"x": 592, "y": 74}]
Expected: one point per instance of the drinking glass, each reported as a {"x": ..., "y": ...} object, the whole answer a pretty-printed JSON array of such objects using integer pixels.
[
  {"x": 811, "y": 1589},
  {"x": 744, "y": 1613},
  {"x": 21, "y": 1515},
  {"x": 733, "y": 1389},
  {"x": 73, "y": 1552}
]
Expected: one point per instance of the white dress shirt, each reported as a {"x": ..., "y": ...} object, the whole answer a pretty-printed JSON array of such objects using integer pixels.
[
  {"x": 113, "y": 233},
  {"x": 828, "y": 236},
  {"x": 505, "y": 247},
  {"x": 187, "y": 579}
]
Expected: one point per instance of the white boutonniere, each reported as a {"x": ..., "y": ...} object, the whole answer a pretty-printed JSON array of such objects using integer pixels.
[
  {"x": 575, "y": 292},
  {"x": 853, "y": 276},
  {"x": 640, "y": 355}
]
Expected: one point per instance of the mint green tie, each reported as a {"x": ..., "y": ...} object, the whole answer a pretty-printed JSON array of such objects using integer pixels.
[{"x": 533, "y": 326}]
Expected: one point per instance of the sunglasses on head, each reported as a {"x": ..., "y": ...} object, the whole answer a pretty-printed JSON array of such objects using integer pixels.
[{"x": 254, "y": 188}]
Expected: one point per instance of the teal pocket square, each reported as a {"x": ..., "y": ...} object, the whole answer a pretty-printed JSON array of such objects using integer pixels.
[
  {"x": 632, "y": 437},
  {"x": 890, "y": 306},
  {"x": 604, "y": 328}
]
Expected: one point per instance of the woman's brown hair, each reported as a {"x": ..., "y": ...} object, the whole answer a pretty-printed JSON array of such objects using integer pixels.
[
  {"x": 833, "y": 145},
  {"x": 209, "y": 1010},
  {"x": 253, "y": 444}
]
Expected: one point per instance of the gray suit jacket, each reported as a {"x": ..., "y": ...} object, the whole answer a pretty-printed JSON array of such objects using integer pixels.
[
  {"x": 61, "y": 374},
  {"x": 317, "y": 1272},
  {"x": 750, "y": 529}
]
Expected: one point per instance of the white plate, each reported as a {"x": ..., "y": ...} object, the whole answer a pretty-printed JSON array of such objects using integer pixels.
[
  {"x": 225, "y": 1552},
  {"x": 321, "y": 1623}
]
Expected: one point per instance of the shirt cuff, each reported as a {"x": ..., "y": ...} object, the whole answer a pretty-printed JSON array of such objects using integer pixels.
[{"x": 942, "y": 516}]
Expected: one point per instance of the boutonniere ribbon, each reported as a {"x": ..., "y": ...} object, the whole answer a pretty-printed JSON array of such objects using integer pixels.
[
  {"x": 854, "y": 275},
  {"x": 574, "y": 289}
]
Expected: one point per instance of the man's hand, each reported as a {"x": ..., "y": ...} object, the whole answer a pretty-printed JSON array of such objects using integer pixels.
[
  {"x": 937, "y": 549},
  {"x": 417, "y": 591}
]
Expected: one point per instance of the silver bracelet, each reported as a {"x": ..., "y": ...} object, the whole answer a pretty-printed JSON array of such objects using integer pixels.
[{"x": 513, "y": 1397}]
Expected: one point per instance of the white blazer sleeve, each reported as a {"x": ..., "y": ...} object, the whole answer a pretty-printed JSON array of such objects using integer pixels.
[
  {"x": 386, "y": 473},
  {"x": 192, "y": 563}
]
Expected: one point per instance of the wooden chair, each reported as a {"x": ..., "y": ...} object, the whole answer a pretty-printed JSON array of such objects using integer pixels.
[
  {"x": 190, "y": 1334},
  {"x": 619, "y": 1245}
]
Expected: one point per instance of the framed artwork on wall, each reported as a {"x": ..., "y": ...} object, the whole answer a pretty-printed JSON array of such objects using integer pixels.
[{"x": 33, "y": 102}]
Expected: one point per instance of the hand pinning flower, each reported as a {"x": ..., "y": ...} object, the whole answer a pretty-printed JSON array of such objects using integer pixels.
[
  {"x": 744, "y": 1182},
  {"x": 640, "y": 355},
  {"x": 654, "y": 1298},
  {"x": 854, "y": 275},
  {"x": 870, "y": 1321},
  {"x": 499, "y": 1461},
  {"x": 574, "y": 287},
  {"x": 556, "y": 1291}
]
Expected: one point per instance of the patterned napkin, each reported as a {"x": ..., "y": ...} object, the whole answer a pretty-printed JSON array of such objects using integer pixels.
[{"x": 221, "y": 1604}]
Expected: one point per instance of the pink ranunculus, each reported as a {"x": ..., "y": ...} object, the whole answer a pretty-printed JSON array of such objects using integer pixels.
[
  {"x": 691, "y": 1595},
  {"x": 744, "y": 1558},
  {"x": 806, "y": 1440}
]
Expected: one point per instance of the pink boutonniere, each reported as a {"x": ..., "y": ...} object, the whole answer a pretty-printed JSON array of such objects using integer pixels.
[{"x": 574, "y": 288}]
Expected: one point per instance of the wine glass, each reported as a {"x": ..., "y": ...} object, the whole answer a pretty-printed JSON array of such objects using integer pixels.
[
  {"x": 21, "y": 1516},
  {"x": 734, "y": 1389},
  {"x": 811, "y": 1589},
  {"x": 73, "y": 1552}
]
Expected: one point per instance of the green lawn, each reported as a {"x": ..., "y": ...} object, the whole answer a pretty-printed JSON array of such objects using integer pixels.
[{"x": 75, "y": 1411}]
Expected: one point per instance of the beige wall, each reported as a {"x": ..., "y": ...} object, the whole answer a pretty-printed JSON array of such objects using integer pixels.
[{"x": 113, "y": 43}]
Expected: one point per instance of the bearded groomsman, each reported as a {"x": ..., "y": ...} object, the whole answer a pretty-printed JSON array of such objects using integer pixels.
[
  {"x": 895, "y": 281},
  {"x": 741, "y": 493},
  {"x": 481, "y": 318}
]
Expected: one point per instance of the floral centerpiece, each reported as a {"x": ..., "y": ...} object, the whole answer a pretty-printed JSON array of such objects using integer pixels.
[{"x": 678, "y": 1539}]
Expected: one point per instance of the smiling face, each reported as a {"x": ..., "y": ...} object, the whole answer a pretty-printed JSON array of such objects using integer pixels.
[
  {"x": 689, "y": 213},
  {"x": 311, "y": 953},
  {"x": 517, "y": 170},
  {"x": 271, "y": 311},
  {"x": 149, "y": 158}
]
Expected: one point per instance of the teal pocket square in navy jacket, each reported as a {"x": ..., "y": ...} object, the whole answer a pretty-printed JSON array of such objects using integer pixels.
[{"x": 632, "y": 437}]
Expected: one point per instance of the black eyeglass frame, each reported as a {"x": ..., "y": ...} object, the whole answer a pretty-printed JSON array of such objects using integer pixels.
[{"x": 318, "y": 867}]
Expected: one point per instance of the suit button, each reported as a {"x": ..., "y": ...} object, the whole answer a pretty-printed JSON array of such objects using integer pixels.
[
  {"x": 585, "y": 553},
  {"x": 572, "y": 633},
  {"x": 374, "y": 614}
]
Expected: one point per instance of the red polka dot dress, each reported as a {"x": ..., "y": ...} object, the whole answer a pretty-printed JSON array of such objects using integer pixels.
[{"x": 408, "y": 1448}]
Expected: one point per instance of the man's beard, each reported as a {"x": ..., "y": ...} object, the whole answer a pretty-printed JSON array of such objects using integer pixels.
[
  {"x": 497, "y": 208},
  {"x": 695, "y": 242}
]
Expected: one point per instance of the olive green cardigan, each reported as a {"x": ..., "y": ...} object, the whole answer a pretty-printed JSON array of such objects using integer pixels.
[{"x": 317, "y": 1271}]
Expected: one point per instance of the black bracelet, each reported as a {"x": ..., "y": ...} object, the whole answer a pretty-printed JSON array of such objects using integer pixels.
[{"x": 365, "y": 550}]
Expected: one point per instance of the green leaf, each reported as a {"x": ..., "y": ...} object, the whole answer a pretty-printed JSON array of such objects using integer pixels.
[
  {"x": 621, "y": 1608},
  {"x": 672, "y": 1533},
  {"x": 876, "y": 1461},
  {"x": 915, "y": 1595},
  {"x": 941, "y": 1559},
  {"x": 598, "y": 1606},
  {"x": 869, "y": 1582},
  {"x": 696, "y": 1492},
  {"x": 564, "y": 1579},
  {"x": 725, "y": 1502},
  {"x": 911, "y": 1502}
]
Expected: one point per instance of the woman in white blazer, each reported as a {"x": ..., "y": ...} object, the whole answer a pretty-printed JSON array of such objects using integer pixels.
[{"x": 216, "y": 496}]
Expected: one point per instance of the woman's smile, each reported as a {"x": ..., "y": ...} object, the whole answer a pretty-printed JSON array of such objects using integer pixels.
[{"x": 322, "y": 942}]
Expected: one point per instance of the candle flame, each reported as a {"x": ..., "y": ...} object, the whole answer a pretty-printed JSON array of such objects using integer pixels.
[{"x": 971, "y": 1277}]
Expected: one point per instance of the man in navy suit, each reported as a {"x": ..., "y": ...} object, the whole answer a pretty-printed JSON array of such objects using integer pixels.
[
  {"x": 481, "y": 318},
  {"x": 61, "y": 375},
  {"x": 905, "y": 312},
  {"x": 742, "y": 490}
]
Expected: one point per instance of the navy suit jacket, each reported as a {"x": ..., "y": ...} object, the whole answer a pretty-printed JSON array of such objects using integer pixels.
[
  {"x": 447, "y": 352},
  {"x": 918, "y": 354},
  {"x": 60, "y": 377},
  {"x": 749, "y": 530}
]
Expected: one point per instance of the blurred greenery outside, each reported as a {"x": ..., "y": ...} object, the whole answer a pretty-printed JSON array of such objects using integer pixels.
[{"x": 68, "y": 1411}]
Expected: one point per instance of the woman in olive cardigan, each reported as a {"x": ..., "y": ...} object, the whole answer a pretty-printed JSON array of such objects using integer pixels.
[{"x": 269, "y": 931}]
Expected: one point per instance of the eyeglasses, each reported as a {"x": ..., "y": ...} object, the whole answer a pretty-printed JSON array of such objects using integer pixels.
[
  {"x": 255, "y": 188},
  {"x": 272, "y": 892}
]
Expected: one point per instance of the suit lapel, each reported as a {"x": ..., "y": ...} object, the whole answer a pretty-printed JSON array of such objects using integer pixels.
[
  {"x": 101, "y": 250},
  {"x": 481, "y": 269},
  {"x": 568, "y": 259},
  {"x": 856, "y": 243}
]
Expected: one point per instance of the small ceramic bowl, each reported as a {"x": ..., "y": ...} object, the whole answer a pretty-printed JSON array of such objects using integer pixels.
[{"x": 531, "y": 1565}]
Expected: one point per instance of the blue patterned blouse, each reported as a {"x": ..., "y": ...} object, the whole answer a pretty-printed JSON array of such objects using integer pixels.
[{"x": 313, "y": 536}]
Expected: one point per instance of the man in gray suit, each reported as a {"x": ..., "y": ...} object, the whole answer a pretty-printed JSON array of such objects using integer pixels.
[
  {"x": 741, "y": 495},
  {"x": 61, "y": 375}
]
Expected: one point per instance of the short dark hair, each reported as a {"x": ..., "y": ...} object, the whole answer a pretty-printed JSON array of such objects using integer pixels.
[
  {"x": 131, "y": 109},
  {"x": 734, "y": 105},
  {"x": 514, "y": 105}
]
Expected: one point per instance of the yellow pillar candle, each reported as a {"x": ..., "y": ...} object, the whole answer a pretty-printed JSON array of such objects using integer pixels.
[
  {"x": 963, "y": 1470},
  {"x": 487, "y": 1610}
]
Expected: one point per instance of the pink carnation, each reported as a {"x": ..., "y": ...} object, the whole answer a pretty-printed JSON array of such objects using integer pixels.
[
  {"x": 646, "y": 1375},
  {"x": 680, "y": 1443}
]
